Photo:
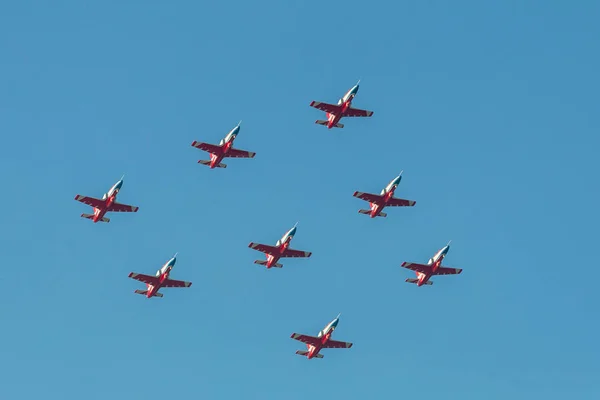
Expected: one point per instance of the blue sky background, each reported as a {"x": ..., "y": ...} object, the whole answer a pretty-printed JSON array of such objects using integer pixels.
[{"x": 490, "y": 108}]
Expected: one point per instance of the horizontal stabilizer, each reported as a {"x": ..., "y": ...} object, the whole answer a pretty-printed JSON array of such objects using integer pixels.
[
  {"x": 263, "y": 262},
  {"x": 305, "y": 353},
  {"x": 91, "y": 216},
  {"x": 338, "y": 125},
  {"x": 206, "y": 162},
  {"x": 145, "y": 292},
  {"x": 321, "y": 122},
  {"x": 368, "y": 212},
  {"x": 411, "y": 280}
]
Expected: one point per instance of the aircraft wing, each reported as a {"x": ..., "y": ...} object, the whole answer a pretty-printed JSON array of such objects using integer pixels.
[
  {"x": 211, "y": 148},
  {"x": 175, "y": 283},
  {"x": 335, "y": 344},
  {"x": 330, "y": 108},
  {"x": 90, "y": 201},
  {"x": 448, "y": 271},
  {"x": 395, "y": 202},
  {"x": 424, "y": 269},
  {"x": 152, "y": 280},
  {"x": 370, "y": 197},
  {"x": 263, "y": 248},
  {"x": 306, "y": 339},
  {"x": 295, "y": 253},
  {"x": 118, "y": 207},
  {"x": 356, "y": 112},
  {"x": 236, "y": 153}
]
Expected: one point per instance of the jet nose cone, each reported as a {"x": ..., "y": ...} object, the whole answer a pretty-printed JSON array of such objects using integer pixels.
[
  {"x": 335, "y": 323},
  {"x": 119, "y": 184}
]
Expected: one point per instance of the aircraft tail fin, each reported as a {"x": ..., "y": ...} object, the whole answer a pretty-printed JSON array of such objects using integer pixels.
[
  {"x": 206, "y": 162},
  {"x": 411, "y": 280},
  {"x": 91, "y": 216},
  {"x": 263, "y": 262}
]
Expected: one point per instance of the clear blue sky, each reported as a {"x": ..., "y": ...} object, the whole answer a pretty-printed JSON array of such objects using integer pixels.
[{"x": 490, "y": 109}]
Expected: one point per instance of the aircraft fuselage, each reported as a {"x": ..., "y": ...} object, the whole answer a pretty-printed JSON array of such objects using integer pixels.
[
  {"x": 435, "y": 262},
  {"x": 324, "y": 336},
  {"x": 345, "y": 103},
  {"x": 282, "y": 244},
  {"x": 109, "y": 198},
  {"x": 387, "y": 193},
  {"x": 163, "y": 275},
  {"x": 226, "y": 144}
]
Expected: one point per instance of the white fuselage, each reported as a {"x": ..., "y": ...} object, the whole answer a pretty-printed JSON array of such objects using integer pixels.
[
  {"x": 349, "y": 96},
  {"x": 439, "y": 256},
  {"x": 289, "y": 235},
  {"x": 392, "y": 186},
  {"x": 329, "y": 328}
]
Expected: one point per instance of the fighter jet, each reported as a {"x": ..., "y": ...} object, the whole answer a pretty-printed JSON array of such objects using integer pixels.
[
  {"x": 322, "y": 341},
  {"x": 386, "y": 199},
  {"x": 223, "y": 150},
  {"x": 342, "y": 109},
  {"x": 106, "y": 204},
  {"x": 280, "y": 250},
  {"x": 160, "y": 280},
  {"x": 433, "y": 267}
]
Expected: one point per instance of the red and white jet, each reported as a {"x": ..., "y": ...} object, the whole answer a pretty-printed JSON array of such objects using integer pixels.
[
  {"x": 386, "y": 199},
  {"x": 322, "y": 341},
  {"x": 433, "y": 267},
  {"x": 161, "y": 280},
  {"x": 280, "y": 250},
  {"x": 106, "y": 204},
  {"x": 223, "y": 150},
  {"x": 343, "y": 108}
]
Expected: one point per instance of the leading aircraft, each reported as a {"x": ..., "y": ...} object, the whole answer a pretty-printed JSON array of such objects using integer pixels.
[
  {"x": 386, "y": 199},
  {"x": 280, "y": 250},
  {"x": 321, "y": 341},
  {"x": 108, "y": 203},
  {"x": 433, "y": 267},
  {"x": 343, "y": 108},
  {"x": 223, "y": 150},
  {"x": 161, "y": 280}
]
